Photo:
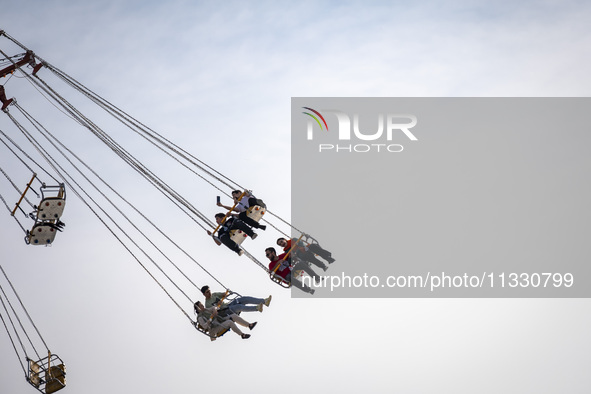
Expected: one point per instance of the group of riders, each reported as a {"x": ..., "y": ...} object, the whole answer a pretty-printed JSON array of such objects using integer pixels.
[{"x": 217, "y": 316}]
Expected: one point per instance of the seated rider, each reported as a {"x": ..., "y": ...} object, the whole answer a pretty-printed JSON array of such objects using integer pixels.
[
  {"x": 237, "y": 305},
  {"x": 306, "y": 252},
  {"x": 247, "y": 201},
  {"x": 307, "y": 249},
  {"x": 213, "y": 323},
  {"x": 285, "y": 269},
  {"x": 231, "y": 223}
]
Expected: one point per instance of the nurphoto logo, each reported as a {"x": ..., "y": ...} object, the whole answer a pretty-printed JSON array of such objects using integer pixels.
[{"x": 388, "y": 126}]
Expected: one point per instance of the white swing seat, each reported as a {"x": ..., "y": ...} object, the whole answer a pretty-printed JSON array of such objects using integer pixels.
[
  {"x": 238, "y": 236},
  {"x": 51, "y": 208},
  {"x": 255, "y": 212},
  {"x": 41, "y": 234}
]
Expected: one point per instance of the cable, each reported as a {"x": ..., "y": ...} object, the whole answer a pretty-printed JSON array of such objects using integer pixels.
[
  {"x": 113, "y": 110},
  {"x": 126, "y": 156},
  {"x": 12, "y": 341},
  {"x": 53, "y": 164},
  {"x": 166, "y": 146},
  {"x": 24, "y": 309},
  {"x": 24, "y": 153},
  {"x": 44, "y": 132},
  {"x": 11, "y": 322},
  {"x": 15, "y": 187},
  {"x": 7, "y": 207}
]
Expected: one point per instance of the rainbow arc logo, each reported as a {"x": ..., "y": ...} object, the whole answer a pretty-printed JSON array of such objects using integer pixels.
[{"x": 315, "y": 118}]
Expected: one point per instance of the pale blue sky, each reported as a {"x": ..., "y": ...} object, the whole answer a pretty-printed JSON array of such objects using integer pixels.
[{"x": 217, "y": 77}]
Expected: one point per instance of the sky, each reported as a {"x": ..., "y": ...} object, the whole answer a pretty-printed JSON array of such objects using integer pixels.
[{"x": 217, "y": 79}]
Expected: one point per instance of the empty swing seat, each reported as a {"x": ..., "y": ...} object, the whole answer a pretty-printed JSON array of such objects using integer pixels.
[
  {"x": 51, "y": 208},
  {"x": 47, "y": 376},
  {"x": 34, "y": 376},
  {"x": 53, "y": 202},
  {"x": 55, "y": 378},
  {"x": 41, "y": 234}
]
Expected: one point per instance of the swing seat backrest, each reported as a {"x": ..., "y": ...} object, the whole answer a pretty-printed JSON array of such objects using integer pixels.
[
  {"x": 237, "y": 236},
  {"x": 34, "y": 373},
  {"x": 55, "y": 378},
  {"x": 51, "y": 208},
  {"x": 255, "y": 212},
  {"x": 41, "y": 234}
]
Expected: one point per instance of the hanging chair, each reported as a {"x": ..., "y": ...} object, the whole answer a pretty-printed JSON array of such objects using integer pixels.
[
  {"x": 42, "y": 233},
  {"x": 53, "y": 202},
  {"x": 47, "y": 375}
]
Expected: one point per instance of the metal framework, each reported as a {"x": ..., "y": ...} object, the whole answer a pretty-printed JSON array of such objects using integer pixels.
[
  {"x": 47, "y": 216},
  {"x": 47, "y": 375}
]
